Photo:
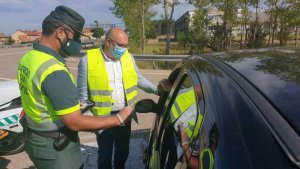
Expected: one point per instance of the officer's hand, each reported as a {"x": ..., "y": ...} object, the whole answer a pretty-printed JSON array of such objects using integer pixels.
[
  {"x": 164, "y": 85},
  {"x": 125, "y": 113}
]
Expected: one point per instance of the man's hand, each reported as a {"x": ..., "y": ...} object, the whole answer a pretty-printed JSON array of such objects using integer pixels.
[
  {"x": 163, "y": 85},
  {"x": 125, "y": 113}
]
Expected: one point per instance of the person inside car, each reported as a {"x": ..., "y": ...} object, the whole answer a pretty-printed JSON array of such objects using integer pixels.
[{"x": 207, "y": 153}]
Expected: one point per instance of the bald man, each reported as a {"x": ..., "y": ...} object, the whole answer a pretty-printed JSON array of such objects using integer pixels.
[{"x": 109, "y": 77}]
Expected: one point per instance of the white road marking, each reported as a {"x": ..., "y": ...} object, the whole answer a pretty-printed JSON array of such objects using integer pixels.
[
  {"x": 1, "y": 78},
  {"x": 13, "y": 52}
]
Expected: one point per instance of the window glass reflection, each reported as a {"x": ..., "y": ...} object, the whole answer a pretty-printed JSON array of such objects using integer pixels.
[{"x": 184, "y": 126}]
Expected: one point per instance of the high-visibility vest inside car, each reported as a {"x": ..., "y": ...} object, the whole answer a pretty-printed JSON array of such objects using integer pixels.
[
  {"x": 33, "y": 69},
  {"x": 181, "y": 104},
  {"x": 99, "y": 84}
]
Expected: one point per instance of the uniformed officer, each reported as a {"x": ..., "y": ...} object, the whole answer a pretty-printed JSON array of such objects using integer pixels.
[{"x": 50, "y": 98}]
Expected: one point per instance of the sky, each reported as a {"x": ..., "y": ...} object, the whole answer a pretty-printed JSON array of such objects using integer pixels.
[{"x": 29, "y": 14}]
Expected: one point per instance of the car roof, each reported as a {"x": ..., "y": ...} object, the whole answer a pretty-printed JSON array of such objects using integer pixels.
[
  {"x": 275, "y": 72},
  {"x": 9, "y": 90}
]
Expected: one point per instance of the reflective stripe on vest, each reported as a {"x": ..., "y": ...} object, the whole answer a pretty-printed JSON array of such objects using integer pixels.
[
  {"x": 182, "y": 102},
  {"x": 211, "y": 157},
  {"x": 34, "y": 67},
  {"x": 190, "y": 128},
  {"x": 99, "y": 83}
]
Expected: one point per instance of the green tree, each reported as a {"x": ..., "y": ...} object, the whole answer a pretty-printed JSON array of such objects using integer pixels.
[
  {"x": 198, "y": 35},
  {"x": 230, "y": 20},
  {"x": 97, "y": 32},
  {"x": 285, "y": 19},
  {"x": 295, "y": 19},
  {"x": 243, "y": 20},
  {"x": 216, "y": 41},
  {"x": 96, "y": 23},
  {"x": 9, "y": 41},
  {"x": 255, "y": 26},
  {"x": 196, "y": 39},
  {"x": 160, "y": 26},
  {"x": 183, "y": 39},
  {"x": 273, "y": 19},
  {"x": 256, "y": 36},
  {"x": 136, "y": 15},
  {"x": 168, "y": 6}
]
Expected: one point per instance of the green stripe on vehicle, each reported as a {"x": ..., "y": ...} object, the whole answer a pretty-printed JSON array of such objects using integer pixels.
[
  {"x": 9, "y": 120},
  {"x": 16, "y": 117}
]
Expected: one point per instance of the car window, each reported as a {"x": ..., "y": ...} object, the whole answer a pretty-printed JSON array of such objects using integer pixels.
[
  {"x": 183, "y": 124},
  {"x": 233, "y": 132}
]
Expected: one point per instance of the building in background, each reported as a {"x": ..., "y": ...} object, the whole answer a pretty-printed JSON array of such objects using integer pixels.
[
  {"x": 88, "y": 33},
  {"x": 3, "y": 38},
  {"x": 185, "y": 22},
  {"x": 26, "y": 36},
  {"x": 29, "y": 36},
  {"x": 215, "y": 17}
]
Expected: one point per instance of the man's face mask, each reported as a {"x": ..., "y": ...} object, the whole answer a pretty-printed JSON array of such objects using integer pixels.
[
  {"x": 118, "y": 51},
  {"x": 70, "y": 47}
]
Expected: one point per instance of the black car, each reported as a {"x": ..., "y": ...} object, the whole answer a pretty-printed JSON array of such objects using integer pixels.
[{"x": 242, "y": 109}]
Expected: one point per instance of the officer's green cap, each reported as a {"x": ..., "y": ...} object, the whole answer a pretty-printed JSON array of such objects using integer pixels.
[{"x": 69, "y": 17}]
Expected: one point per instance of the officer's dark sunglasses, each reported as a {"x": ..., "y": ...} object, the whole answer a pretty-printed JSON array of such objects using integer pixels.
[{"x": 76, "y": 35}]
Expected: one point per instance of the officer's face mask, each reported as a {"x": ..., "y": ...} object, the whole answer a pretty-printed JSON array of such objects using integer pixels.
[
  {"x": 70, "y": 47},
  {"x": 118, "y": 51}
]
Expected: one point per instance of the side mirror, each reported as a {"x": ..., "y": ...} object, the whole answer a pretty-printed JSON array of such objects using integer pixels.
[{"x": 146, "y": 106}]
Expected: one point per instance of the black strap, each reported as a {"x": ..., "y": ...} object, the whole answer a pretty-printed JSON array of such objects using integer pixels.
[{"x": 114, "y": 112}]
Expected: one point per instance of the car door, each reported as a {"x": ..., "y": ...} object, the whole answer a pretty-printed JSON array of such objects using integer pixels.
[
  {"x": 182, "y": 113},
  {"x": 235, "y": 133}
]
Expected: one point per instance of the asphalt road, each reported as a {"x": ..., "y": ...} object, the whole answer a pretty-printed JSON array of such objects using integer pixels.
[{"x": 9, "y": 59}]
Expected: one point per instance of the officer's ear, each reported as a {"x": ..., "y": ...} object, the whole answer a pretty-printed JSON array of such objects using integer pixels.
[
  {"x": 107, "y": 43},
  {"x": 60, "y": 32}
]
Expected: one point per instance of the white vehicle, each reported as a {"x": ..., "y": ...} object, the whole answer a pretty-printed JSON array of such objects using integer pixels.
[
  {"x": 11, "y": 136},
  {"x": 12, "y": 140}
]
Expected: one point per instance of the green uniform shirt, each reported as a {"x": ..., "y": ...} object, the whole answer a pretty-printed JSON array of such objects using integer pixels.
[{"x": 58, "y": 86}]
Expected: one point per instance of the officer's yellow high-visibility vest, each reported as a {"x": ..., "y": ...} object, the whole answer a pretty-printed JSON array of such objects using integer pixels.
[
  {"x": 99, "y": 84},
  {"x": 33, "y": 69},
  {"x": 181, "y": 104}
]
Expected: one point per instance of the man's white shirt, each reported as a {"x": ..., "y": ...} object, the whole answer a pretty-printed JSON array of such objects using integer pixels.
[{"x": 114, "y": 70}]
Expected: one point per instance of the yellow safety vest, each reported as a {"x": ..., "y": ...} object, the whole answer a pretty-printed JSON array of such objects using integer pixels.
[
  {"x": 181, "y": 104},
  {"x": 211, "y": 157},
  {"x": 33, "y": 69},
  {"x": 99, "y": 83}
]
